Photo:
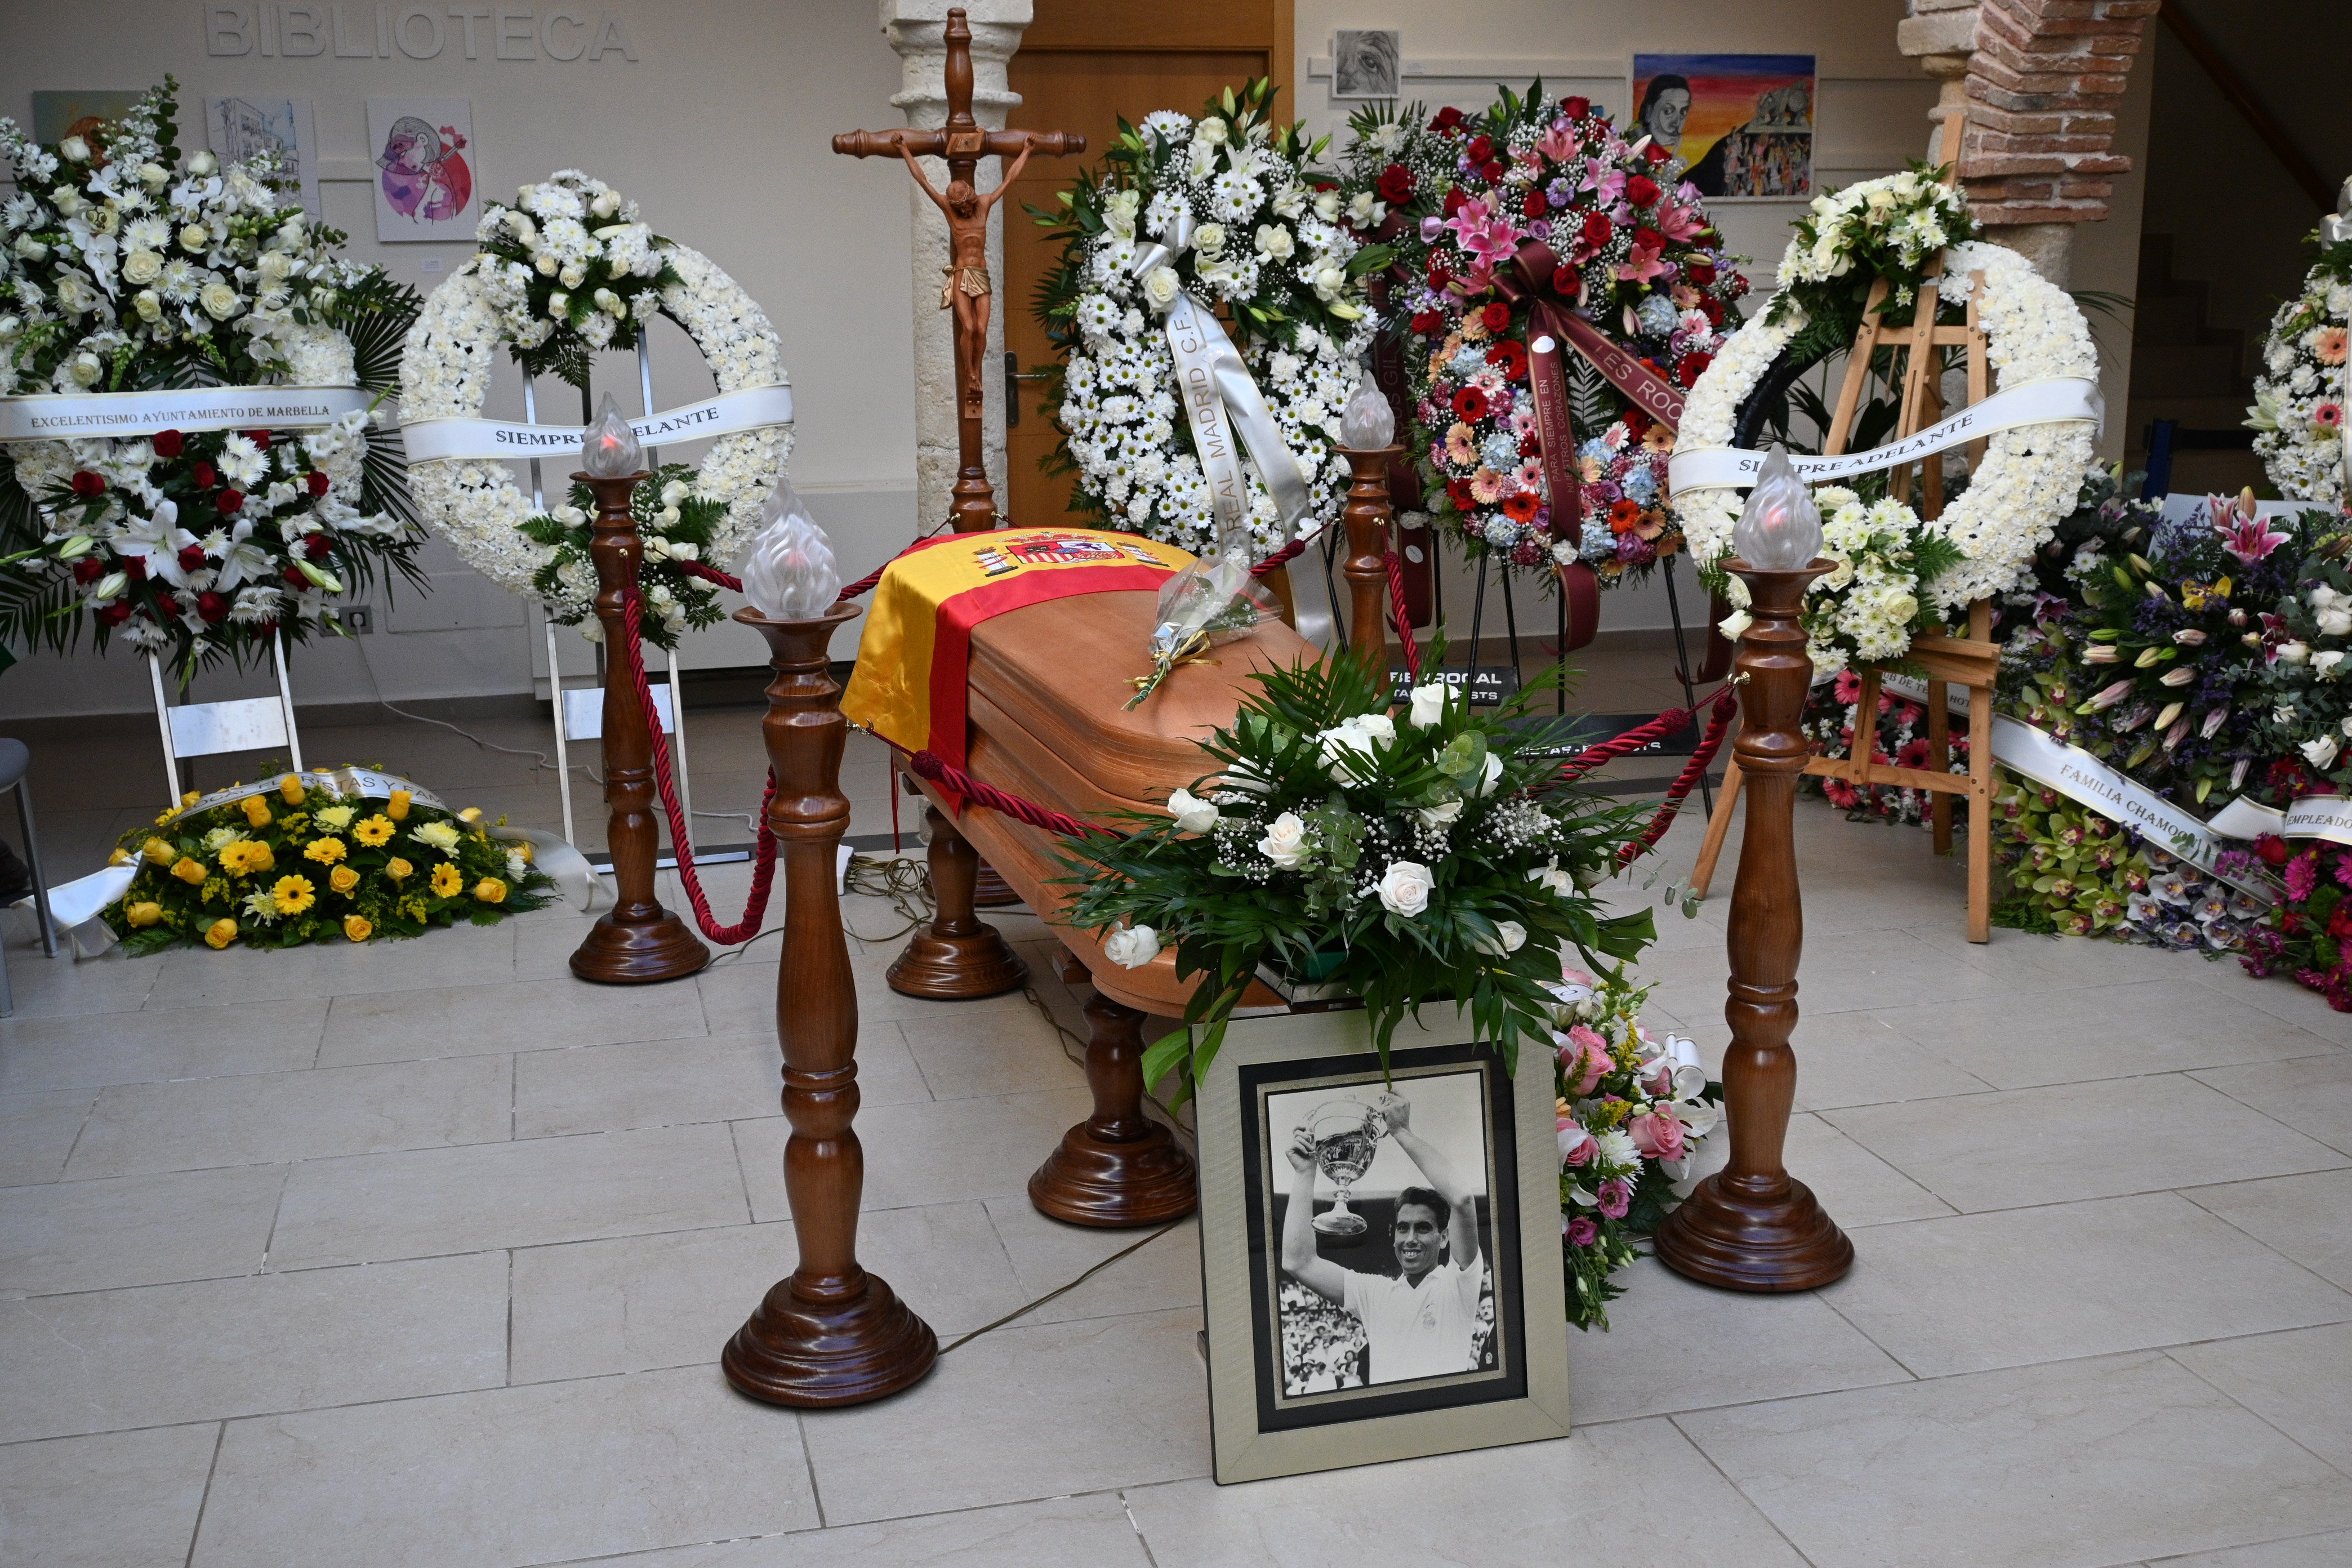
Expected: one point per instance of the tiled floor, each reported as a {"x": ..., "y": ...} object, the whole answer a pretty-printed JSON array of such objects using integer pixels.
[{"x": 422, "y": 1254}]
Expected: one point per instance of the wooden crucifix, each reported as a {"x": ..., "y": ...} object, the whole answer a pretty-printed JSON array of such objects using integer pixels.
[{"x": 966, "y": 290}]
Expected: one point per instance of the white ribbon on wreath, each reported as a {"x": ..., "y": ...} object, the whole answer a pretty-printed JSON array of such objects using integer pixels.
[{"x": 125, "y": 415}]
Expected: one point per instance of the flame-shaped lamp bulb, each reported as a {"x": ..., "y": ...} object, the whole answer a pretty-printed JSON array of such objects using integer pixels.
[
  {"x": 611, "y": 450},
  {"x": 1780, "y": 529},
  {"x": 788, "y": 572},
  {"x": 1368, "y": 423}
]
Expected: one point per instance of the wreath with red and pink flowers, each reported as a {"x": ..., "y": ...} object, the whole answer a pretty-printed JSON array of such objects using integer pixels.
[{"x": 1535, "y": 223}]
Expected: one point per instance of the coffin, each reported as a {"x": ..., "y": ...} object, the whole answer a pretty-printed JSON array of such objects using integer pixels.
[{"x": 1048, "y": 687}]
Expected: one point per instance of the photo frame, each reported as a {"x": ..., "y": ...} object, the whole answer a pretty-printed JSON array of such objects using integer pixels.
[
  {"x": 1398, "y": 1352},
  {"x": 1367, "y": 63},
  {"x": 237, "y": 128},
  {"x": 1742, "y": 124},
  {"x": 425, "y": 172},
  {"x": 57, "y": 112}
]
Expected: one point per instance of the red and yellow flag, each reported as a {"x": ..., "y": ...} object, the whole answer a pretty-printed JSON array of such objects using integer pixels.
[{"x": 914, "y": 659}]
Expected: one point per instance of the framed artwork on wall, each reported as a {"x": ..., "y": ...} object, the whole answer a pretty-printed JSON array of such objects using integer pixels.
[
  {"x": 1380, "y": 1253},
  {"x": 424, "y": 182},
  {"x": 1366, "y": 63},
  {"x": 237, "y": 128},
  {"x": 1743, "y": 124},
  {"x": 57, "y": 114}
]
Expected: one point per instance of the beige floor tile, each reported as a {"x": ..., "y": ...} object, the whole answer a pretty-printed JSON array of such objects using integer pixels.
[
  {"x": 2299, "y": 1381},
  {"x": 2302, "y": 1217},
  {"x": 2049, "y": 1145},
  {"x": 2020, "y": 1040},
  {"x": 37, "y": 1133},
  {"x": 508, "y": 1475},
  {"x": 625, "y": 1305},
  {"x": 1091, "y": 1531},
  {"x": 424, "y": 1202},
  {"x": 126, "y": 1499},
  {"x": 1731, "y": 1349},
  {"x": 171, "y": 1353},
  {"x": 40, "y": 1054},
  {"x": 742, "y": 998},
  {"x": 454, "y": 955},
  {"x": 1854, "y": 1185},
  {"x": 2070, "y": 1281},
  {"x": 137, "y": 1230},
  {"x": 1848, "y": 1059},
  {"x": 479, "y": 1020},
  {"x": 1024, "y": 1413},
  {"x": 2048, "y": 963},
  {"x": 654, "y": 1083},
  {"x": 2079, "y": 1465},
  {"x": 2312, "y": 1095},
  {"x": 1003, "y": 1051},
  {"x": 1893, "y": 966},
  {"x": 2279, "y": 996},
  {"x": 1047, "y": 1255},
  {"x": 272, "y": 1118},
  {"x": 64, "y": 987},
  {"x": 936, "y": 1152},
  {"x": 1633, "y": 1494},
  {"x": 2333, "y": 1550}
]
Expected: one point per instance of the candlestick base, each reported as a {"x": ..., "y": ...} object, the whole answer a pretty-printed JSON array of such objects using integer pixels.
[
  {"x": 637, "y": 952},
  {"x": 1094, "y": 1181},
  {"x": 815, "y": 1356},
  {"x": 990, "y": 890},
  {"x": 1754, "y": 1233}
]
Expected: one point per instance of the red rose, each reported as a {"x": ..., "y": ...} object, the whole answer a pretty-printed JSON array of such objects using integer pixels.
[
  {"x": 1458, "y": 491},
  {"x": 168, "y": 605},
  {"x": 264, "y": 631},
  {"x": 88, "y": 570},
  {"x": 1577, "y": 107},
  {"x": 1597, "y": 229},
  {"x": 1692, "y": 368},
  {"x": 1447, "y": 118},
  {"x": 228, "y": 501},
  {"x": 1698, "y": 274},
  {"x": 259, "y": 438},
  {"x": 1649, "y": 239},
  {"x": 1454, "y": 200},
  {"x": 211, "y": 606},
  {"x": 1481, "y": 148},
  {"x": 115, "y": 614},
  {"x": 1566, "y": 281},
  {"x": 89, "y": 484},
  {"x": 1520, "y": 506},
  {"x": 319, "y": 482},
  {"x": 1535, "y": 205},
  {"x": 1427, "y": 321},
  {"x": 1496, "y": 315},
  {"x": 136, "y": 566},
  {"x": 206, "y": 475},
  {"x": 294, "y": 578},
  {"x": 1492, "y": 173},
  {"x": 1511, "y": 356},
  {"x": 169, "y": 443},
  {"x": 1470, "y": 403},
  {"x": 1396, "y": 184},
  {"x": 1656, "y": 153},
  {"x": 1712, "y": 309},
  {"x": 1640, "y": 189},
  {"x": 2273, "y": 849},
  {"x": 191, "y": 557},
  {"x": 319, "y": 546}
]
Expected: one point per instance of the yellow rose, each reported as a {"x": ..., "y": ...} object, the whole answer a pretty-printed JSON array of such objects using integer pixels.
[
  {"x": 142, "y": 914},
  {"x": 220, "y": 933},
  {"x": 290, "y": 787},
  {"x": 446, "y": 882},
  {"x": 357, "y": 928},
  {"x": 522, "y": 846},
  {"x": 398, "y": 809},
  {"x": 325, "y": 851},
  {"x": 375, "y": 832},
  {"x": 343, "y": 878},
  {"x": 399, "y": 870},
  {"x": 471, "y": 814},
  {"x": 162, "y": 853},
  {"x": 490, "y": 890},
  {"x": 190, "y": 798},
  {"x": 121, "y": 856},
  {"x": 257, "y": 811},
  {"x": 192, "y": 872},
  {"x": 293, "y": 895}
]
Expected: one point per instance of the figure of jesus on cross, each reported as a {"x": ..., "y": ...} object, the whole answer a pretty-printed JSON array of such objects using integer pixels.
[{"x": 966, "y": 290}]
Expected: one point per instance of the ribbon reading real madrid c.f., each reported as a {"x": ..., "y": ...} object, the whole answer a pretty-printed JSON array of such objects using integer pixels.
[{"x": 1221, "y": 403}]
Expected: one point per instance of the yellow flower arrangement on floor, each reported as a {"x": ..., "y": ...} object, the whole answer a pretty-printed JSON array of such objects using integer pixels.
[{"x": 225, "y": 875}]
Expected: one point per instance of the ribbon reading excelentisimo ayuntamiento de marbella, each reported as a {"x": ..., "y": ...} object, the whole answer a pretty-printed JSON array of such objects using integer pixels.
[{"x": 126, "y": 415}]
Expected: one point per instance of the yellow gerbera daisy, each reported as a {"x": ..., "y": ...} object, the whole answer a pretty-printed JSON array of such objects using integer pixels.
[
  {"x": 490, "y": 890},
  {"x": 375, "y": 831},
  {"x": 325, "y": 851},
  {"x": 343, "y": 878},
  {"x": 446, "y": 882},
  {"x": 293, "y": 895}
]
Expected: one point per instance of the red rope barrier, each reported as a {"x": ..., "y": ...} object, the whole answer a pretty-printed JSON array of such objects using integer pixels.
[
  {"x": 1726, "y": 705},
  {"x": 1279, "y": 559},
  {"x": 763, "y": 860},
  {"x": 1403, "y": 616},
  {"x": 930, "y": 764},
  {"x": 712, "y": 574}
]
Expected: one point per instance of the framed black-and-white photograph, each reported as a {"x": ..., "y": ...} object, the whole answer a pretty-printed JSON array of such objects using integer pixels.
[
  {"x": 1380, "y": 1253},
  {"x": 1366, "y": 63}
]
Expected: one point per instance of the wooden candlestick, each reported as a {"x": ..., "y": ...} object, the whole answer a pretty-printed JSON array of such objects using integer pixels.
[
  {"x": 636, "y": 939},
  {"x": 959, "y": 956},
  {"x": 1118, "y": 1167},
  {"x": 830, "y": 1333},
  {"x": 1750, "y": 1226},
  {"x": 1368, "y": 517}
]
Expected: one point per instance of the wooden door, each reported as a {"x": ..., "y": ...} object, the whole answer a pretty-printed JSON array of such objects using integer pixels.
[{"x": 1082, "y": 65}]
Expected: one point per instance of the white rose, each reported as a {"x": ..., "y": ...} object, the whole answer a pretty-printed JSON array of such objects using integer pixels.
[
  {"x": 2321, "y": 752},
  {"x": 1193, "y": 814},
  {"x": 152, "y": 175},
  {"x": 220, "y": 300},
  {"x": 1557, "y": 882},
  {"x": 149, "y": 304},
  {"x": 74, "y": 150},
  {"x": 1160, "y": 287},
  {"x": 142, "y": 266},
  {"x": 1514, "y": 937},
  {"x": 1274, "y": 242},
  {"x": 1378, "y": 726},
  {"x": 1347, "y": 752},
  {"x": 203, "y": 163},
  {"x": 1441, "y": 814},
  {"x": 2294, "y": 652},
  {"x": 2323, "y": 665},
  {"x": 1404, "y": 887},
  {"x": 1735, "y": 626},
  {"x": 1285, "y": 843},
  {"x": 1487, "y": 779},
  {"x": 1212, "y": 131},
  {"x": 1132, "y": 947},
  {"x": 1428, "y": 705},
  {"x": 1209, "y": 239},
  {"x": 86, "y": 369}
]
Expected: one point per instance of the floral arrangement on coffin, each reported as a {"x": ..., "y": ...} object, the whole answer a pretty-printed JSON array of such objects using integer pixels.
[
  {"x": 568, "y": 270},
  {"x": 1435, "y": 854},
  {"x": 1242, "y": 216},
  {"x": 125, "y": 268},
  {"x": 1901, "y": 738},
  {"x": 2300, "y": 395},
  {"x": 275, "y": 867},
  {"x": 1633, "y": 1111},
  {"x": 2073, "y": 871},
  {"x": 2308, "y": 642},
  {"x": 2309, "y": 934},
  {"x": 1630, "y": 248}
]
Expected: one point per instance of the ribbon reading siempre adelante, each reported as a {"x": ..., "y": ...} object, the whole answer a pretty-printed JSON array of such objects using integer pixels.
[{"x": 729, "y": 413}]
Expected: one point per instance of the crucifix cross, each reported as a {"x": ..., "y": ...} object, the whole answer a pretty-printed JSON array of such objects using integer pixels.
[{"x": 967, "y": 291}]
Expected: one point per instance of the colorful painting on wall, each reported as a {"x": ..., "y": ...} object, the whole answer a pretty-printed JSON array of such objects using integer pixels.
[
  {"x": 424, "y": 182},
  {"x": 56, "y": 115},
  {"x": 1743, "y": 124},
  {"x": 237, "y": 128}
]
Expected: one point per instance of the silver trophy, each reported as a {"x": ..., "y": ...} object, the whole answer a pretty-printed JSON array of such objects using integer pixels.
[{"x": 1346, "y": 1133}]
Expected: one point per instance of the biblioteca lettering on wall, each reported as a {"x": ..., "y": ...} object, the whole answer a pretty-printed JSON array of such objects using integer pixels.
[{"x": 414, "y": 31}]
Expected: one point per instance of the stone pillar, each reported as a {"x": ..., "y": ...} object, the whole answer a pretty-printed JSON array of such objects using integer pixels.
[{"x": 914, "y": 29}]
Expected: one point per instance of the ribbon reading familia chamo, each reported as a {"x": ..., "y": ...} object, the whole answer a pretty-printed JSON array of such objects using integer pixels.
[
  {"x": 126, "y": 416},
  {"x": 431, "y": 440}
]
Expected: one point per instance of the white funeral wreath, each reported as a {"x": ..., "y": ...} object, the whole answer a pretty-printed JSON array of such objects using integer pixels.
[
  {"x": 2029, "y": 476},
  {"x": 2301, "y": 396},
  {"x": 453, "y": 346}
]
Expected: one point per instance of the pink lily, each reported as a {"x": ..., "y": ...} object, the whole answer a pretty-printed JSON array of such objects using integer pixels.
[
  {"x": 1677, "y": 222},
  {"x": 1557, "y": 144},
  {"x": 1488, "y": 236},
  {"x": 1607, "y": 183},
  {"x": 2244, "y": 535},
  {"x": 1640, "y": 266}
]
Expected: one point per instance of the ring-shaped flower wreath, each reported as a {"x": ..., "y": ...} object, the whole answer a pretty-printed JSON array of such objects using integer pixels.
[
  {"x": 1898, "y": 576},
  {"x": 568, "y": 270},
  {"x": 2300, "y": 397},
  {"x": 1268, "y": 245}
]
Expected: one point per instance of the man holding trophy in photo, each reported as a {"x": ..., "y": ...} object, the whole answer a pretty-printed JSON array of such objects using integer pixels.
[{"x": 1422, "y": 1321}]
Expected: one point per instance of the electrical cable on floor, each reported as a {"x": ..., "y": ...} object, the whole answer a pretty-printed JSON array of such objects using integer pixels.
[
  {"x": 905, "y": 881},
  {"x": 1065, "y": 1290}
]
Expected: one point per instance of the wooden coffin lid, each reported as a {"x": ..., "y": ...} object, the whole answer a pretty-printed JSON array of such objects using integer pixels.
[{"x": 1060, "y": 671}]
